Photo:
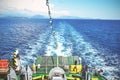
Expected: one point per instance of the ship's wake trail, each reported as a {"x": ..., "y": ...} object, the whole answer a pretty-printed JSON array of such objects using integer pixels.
[
  {"x": 70, "y": 42},
  {"x": 64, "y": 46}
]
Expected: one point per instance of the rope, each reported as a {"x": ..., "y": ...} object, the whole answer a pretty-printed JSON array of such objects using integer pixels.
[
  {"x": 51, "y": 24},
  {"x": 49, "y": 13}
]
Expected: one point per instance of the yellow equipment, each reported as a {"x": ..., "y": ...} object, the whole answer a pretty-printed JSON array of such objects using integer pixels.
[
  {"x": 34, "y": 68},
  {"x": 75, "y": 68},
  {"x": 38, "y": 77},
  {"x": 72, "y": 78},
  {"x": 95, "y": 79}
]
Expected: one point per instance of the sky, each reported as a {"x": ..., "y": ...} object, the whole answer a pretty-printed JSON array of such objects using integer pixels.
[{"x": 95, "y": 9}]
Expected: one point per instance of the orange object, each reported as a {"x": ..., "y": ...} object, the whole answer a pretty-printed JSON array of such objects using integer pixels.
[{"x": 3, "y": 66}]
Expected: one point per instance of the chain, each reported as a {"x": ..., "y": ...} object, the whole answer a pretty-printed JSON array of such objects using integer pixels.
[{"x": 51, "y": 23}]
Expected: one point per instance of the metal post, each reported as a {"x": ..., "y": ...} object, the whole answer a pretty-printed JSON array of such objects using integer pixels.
[
  {"x": 8, "y": 77},
  {"x": 57, "y": 61},
  {"x": 46, "y": 64}
]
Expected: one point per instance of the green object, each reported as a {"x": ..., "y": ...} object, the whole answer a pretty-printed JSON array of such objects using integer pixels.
[
  {"x": 46, "y": 63},
  {"x": 50, "y": 62}
]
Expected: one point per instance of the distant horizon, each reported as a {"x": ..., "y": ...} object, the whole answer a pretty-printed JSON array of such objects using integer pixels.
[
  {"x": 91, "y": 9},
  {"x": 45, "y": 17}
]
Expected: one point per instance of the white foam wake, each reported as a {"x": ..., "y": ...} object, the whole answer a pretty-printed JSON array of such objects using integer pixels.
[
  {"x": 34, "y": 48},
  {"x": 60, "y": 50}
]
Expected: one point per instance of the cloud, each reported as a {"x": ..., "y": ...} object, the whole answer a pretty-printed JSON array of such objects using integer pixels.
[
  {"x": 61, "y": 13},
  {"x": 35, "y": 6},
  {"x": 28, "y": 7},
  {"x": 58, "y": 13}
]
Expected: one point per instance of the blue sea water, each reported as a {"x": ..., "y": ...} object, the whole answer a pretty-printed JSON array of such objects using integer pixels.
[{"x": 96, "y": 41}]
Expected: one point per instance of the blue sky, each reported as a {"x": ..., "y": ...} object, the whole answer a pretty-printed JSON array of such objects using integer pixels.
[{"x": 100, "y": 9}]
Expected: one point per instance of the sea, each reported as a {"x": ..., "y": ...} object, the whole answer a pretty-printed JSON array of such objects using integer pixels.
[{"x": 96, "y": 41}]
